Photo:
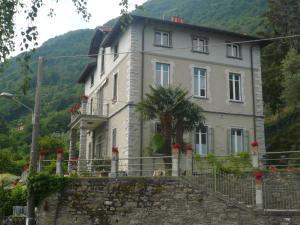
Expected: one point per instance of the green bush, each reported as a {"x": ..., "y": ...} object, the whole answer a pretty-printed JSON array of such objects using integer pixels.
[
  {"x": 44, "y": 184},
  {"x": 12, "y": 197}
]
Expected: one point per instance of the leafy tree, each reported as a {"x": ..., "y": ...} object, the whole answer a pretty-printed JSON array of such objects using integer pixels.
[
  {"x": 291, "y": 81},
  {"x": 7, "y": 165},
  {"x": 51, "y": 143},
  {"x": 283, "y": 18},
  {"x": 170, "y": 106}
]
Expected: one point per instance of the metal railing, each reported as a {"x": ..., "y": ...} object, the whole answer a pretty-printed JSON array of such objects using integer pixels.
[
  {"x": 281, "y": 159},
  {"x": 235, "y": 187},
  {"x": 146, "y": 166},
  {"x": 95, "y": 109},
  {"x": 133, "y": 166},
  {"x": 19, "y": 211},
  {"x": 279, "y": 189}
]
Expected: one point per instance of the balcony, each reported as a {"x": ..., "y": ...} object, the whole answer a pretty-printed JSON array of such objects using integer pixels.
[{"x": 88, "y": 114}]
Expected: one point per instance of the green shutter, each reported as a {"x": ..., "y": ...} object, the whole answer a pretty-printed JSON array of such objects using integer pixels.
[
  {"x": 229, "y": 150},
  {"x": 246, "y": 140},
  {"x": 211, "y": 140}
]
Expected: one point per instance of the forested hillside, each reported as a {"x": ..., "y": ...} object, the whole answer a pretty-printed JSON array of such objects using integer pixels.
[{"x": 235, "y": 15}]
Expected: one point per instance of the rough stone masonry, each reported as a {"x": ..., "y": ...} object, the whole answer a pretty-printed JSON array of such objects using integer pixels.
[{"x": 147, "y": 201}]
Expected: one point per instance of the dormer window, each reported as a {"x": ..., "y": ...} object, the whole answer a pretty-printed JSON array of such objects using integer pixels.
[
  {"x": 116, "y": 51},
  {"x": 200, "y": 44},
  {"x": 234, "y": 51},
  {"x": 162, "y": 39}
]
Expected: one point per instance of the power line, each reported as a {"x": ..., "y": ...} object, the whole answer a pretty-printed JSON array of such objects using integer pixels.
[{"x": 187, "y": 47}]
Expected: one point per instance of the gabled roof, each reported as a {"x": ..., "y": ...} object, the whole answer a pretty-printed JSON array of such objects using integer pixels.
[
  {"x": 112, "y": 36},
  {"x": 96, "y": 42},
  {"x": 90, "y": 68}
]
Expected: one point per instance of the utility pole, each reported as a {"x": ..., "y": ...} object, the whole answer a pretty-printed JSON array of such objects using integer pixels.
[{"x": 30, "y": 218}]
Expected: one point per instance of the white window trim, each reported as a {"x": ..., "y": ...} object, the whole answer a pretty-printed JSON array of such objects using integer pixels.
[
  {"x": 161, "y": 44},
  {"x": 230, "y": 54},
  {"x": 115, "y": 97},
  {"x": 200, "y": 139},
  {"x": 208, "y": 96},
  {"x": 199, "y": 82},
  {"x": 234, "y": 87},
  {"x": 162, "y": 74},
  {"x": 242, "y": 87},
  {"x": 171, "y": 70},
  {"x": 200, "y": 38},
  {"x": 242, "y": 141}
]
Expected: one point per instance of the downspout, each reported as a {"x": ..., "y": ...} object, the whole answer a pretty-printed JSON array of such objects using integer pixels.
[
  {"x": 142, "y": 97},
  {"x": 253, "y": 93}
]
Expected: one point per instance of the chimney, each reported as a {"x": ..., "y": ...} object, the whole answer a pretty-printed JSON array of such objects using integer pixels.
[{"x": 177, "y": 19}]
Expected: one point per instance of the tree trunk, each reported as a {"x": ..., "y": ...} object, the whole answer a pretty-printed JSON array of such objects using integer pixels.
[
  {"x": 166, "y": 129},
  {"x": 179, "y": 132}
]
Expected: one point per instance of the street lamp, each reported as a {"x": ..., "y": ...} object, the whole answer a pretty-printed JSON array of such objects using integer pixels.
[{"x": 12, "y": 97}]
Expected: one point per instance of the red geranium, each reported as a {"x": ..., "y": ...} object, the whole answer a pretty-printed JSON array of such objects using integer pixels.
[
  {"x": 176, "y": 145},
  {"x": 59, "y": 150},
  {"x": 258, "y": 175},
  {"x": 189, "y": 148},
  {"x": 254, "y": 143}
]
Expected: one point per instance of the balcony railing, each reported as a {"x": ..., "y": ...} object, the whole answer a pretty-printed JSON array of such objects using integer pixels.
[{"x": 92, "y": 109}]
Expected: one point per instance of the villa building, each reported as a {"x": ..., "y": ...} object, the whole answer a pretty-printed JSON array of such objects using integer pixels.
[{"x": 220, "y": 69}]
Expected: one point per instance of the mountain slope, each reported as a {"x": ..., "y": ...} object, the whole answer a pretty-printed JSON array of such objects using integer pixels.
[{"x": 235, "y": 15}]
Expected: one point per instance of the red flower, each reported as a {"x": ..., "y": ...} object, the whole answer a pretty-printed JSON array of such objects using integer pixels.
[
  {"x": 59, "y": 150},
  {"x": 176, "y": 145},
  {"x": 258, "y": 175},
  {"x": 254, "y": 143},
  {"x": 291, "y": 169},
  {"x": 189, "y": 148}
]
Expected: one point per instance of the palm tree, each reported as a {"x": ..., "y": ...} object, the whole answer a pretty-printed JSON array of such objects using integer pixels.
[
  {"x": 187, "y": 118},
  {"x": 173, "y": 109}
]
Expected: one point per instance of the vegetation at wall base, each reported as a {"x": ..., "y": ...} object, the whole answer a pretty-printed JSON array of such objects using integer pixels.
[
  {"x": 11, "y": 197},
  {"x": 234, "y": 164},
  {"x": 44, "y": 184}
]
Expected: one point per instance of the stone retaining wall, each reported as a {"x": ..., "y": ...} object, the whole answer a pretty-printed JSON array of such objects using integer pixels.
[{"x": 146, "y": 201}]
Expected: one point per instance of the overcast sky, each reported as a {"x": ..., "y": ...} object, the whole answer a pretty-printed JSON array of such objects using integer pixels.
[{"x": 67, "y": 19}]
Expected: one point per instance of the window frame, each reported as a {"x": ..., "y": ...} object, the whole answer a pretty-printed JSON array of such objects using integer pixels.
[
  {"x": 230, "y": 53},
  {"x": 234, "y": 147},
  {"x": 92, "y": 79},
  {"x": 161, "y": 43},
  {"x": 162, "y": 74},
  {"x": 102, "y": 61},
  {"x": 116, "y": 51},
  {"x": 115, "y": 88},
  {"x": 198, "y": 132},
  {"x": 199, "y": 82},
  {"x": 205, "y": 49},
  {"x": 114, "y": 137},
  {"x": 234, "y": 99}
]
